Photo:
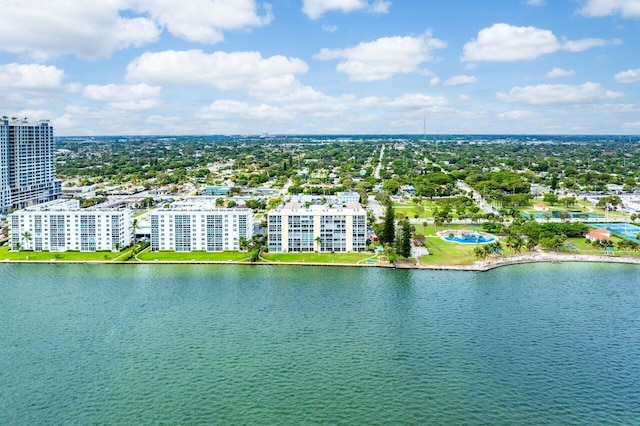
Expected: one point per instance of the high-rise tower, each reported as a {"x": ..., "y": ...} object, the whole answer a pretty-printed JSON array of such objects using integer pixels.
[{"x": 27, "y": 172}]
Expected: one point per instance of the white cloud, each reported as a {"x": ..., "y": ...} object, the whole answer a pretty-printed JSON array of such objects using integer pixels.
[
  {"x": 330, "y": 28},
  {"x": 588, "y": 43},
  {"x": 629, "y": 76},
  {"x": 28, "y": 85},
  {"x": 464, "y": 97},
  {"x": 226, "y": 71},
  {"x": 380, "y": 6},
  {"x": 130, "y": 97},
  {"x": 434, "y": 81},
  {"x": 416, "y": 100},
  {"x": 42, "y": 28},
  {"x": 226, "y": 109},
  {"x": 559, "y": 72},
  {"x": 517, "y": 115},
  {"x": 459, "y": 80},
  {"x": 536, "y": 3},
  {"x": 599, "y": 8},
  {"x": 631, "y": 125},
  {"x": 314, "y": 9},
  {"x": 204, "y": 20},
  {"x": 381, "y": 59},
  {"x": 30, "y": 76},
  {"x": 503, "y": 43},
  {"x": 548, "y": 94}
]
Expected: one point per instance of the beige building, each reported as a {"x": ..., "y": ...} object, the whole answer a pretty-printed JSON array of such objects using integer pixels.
[{"x": 295, "y": 228}]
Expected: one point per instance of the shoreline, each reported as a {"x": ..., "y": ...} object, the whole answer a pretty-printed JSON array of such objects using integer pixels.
[{"x": 479, "y": 266}]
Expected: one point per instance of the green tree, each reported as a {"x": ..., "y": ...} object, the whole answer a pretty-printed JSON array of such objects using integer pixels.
[
  {"x": 135, "y": 225},
  {"x": 388, "y": 234},
  {"x": 403, "y": 246},
  {"x": 479, "y": 253},
  {"x": 26, "y": 238}
]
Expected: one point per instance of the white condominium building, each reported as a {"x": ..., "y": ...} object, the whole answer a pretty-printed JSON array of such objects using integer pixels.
[
  {"x": 62, "y": 225},
  {"x": 27, "y": 173},
  {"x": 295, "y": 228},
  {"x": 200, "y": 226}
]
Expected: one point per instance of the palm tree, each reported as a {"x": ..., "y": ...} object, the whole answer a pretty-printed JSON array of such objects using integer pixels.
[
  {"x": 318, "y": 241},
  {"x": 243, "y": 243},
  {"x": 479, "y": 253},
  {"x": 135, "y": 225},
  {"x": 26, "y": 237},
  {"x": 518, "y": 243}
]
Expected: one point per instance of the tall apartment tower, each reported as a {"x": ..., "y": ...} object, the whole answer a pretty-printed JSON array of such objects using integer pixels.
[{"x": 27, "y": 173}]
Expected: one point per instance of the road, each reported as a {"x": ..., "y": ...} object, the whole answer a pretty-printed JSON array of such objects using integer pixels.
[
  {"x": 477, "y": 197},
  {"x": 376, "y": 208},
  {"x": 376, "y": 174},
  {"x": 285, "y": 188}
]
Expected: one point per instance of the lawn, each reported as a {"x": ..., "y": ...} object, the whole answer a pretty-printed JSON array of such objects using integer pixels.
[
  {"x": 197, "y": 256},
  {"x": 350, "y": 258},
  {"x": 75, "y": 256},
  {"x": 442, "y": 252},
  {"x": 410, "y": 209}
]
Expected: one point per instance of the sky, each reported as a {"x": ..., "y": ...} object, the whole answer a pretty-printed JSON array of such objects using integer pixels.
[{"x": 163, "y": 67}]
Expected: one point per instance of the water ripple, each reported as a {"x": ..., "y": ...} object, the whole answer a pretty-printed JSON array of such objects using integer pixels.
[{"x": 538, "y": 344}]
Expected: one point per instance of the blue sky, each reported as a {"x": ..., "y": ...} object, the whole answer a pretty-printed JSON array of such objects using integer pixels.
[{"x": 322, "y": 66}]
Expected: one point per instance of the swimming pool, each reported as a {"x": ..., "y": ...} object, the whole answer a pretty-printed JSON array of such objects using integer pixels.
[{"x": 470, "y": 238}]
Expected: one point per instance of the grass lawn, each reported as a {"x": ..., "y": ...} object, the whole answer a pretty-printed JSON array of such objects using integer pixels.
[
  {"x": 77, "y": 256},
  {"x": 445, "y": 253},
  {"x": 410, "y": 209},
  {"x": 587, "y": 248},
  {"x": 431, "y": 230},
  {"x": 198, "y": 256},
  {"x": 351, "y": 258}
]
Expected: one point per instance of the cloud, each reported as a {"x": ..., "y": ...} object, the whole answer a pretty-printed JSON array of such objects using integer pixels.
[
  {"x": 330, "y": 28},
  {"x": 503, "y": 43},
  {"x": 129, "y": 97},
  {"x": 434, "y": 81},
  {"x": 225, "y": 71},
  {"x": 588, "y": 43},
  {"x": 30, "y": 77},
  {"x": 314, "y": 9},
  {"x": 42, "y": 28},
  {"x": 629, "y": 76},
  {"x": 225, "y": 109},
  {"x": 27, "y": 85},
  {"x": 204, "y": 20},
  {"x": 381, "y": 59},
  {"x": 599, "y": 8},
  {"x": 536, "y": 3},
  {"x": 416, "y": 100},
  {"x": 517, "y": 115},
  {"x": 548, "y": 94},
  {"x": 459, "y": 80},
  {"x": 559, "y": 72}
]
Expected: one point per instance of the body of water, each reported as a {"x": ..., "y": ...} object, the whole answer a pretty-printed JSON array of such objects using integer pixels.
[{"x": 197, "y": 344}]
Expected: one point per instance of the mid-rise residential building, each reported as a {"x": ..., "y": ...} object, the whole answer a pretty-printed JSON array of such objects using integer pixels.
[
  {"x": 322, "y": 228},
  {"x": 199, "y": 226},
  {"x": 27, "y": 173},
  {"x": 348, "y": 197},
  {"x": 62, "y": 225}
]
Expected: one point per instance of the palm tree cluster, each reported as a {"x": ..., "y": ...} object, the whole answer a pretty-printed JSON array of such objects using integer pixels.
[{"x": 483, "y": 251}]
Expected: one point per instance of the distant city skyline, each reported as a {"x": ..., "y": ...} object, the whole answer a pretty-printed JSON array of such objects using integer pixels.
[{"x": 146, "y": 67}]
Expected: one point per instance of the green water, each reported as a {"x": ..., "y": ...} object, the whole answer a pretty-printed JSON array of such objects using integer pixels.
[{"x": 167, "y": 344}]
